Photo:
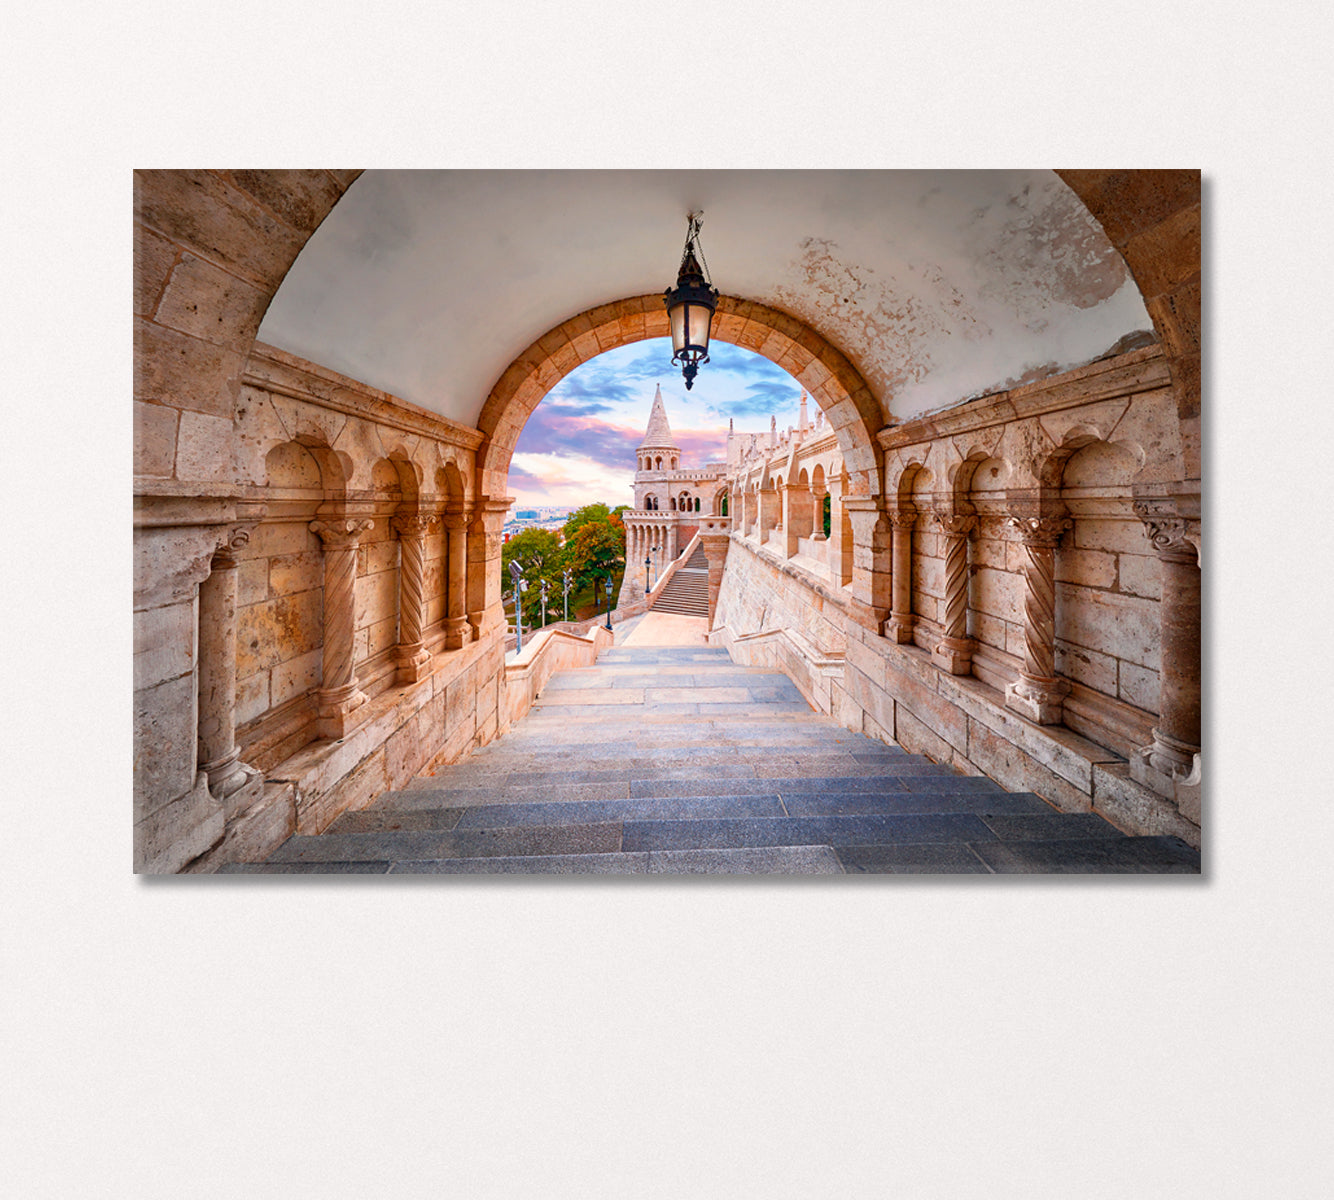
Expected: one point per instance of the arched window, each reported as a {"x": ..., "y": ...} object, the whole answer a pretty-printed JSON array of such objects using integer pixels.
[
  {"x": 724, "y": 512},
  {"x": 658, "y": 460},
  {"x": 697, "y": 504}
]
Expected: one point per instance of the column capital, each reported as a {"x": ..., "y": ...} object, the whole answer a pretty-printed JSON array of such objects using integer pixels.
[
  {"x": 343, "y": 532},
  {"x": 903, "y": 516},
  {"x": 413, "y": 524},
  {"x": 230, "y": 540},
  {"x": 1042, "y": 532},
  {"x": 1173, "y": 536},
  {"x": 953, "y": 522}
]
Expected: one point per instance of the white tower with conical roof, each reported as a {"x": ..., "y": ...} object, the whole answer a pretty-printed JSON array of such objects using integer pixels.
[
  {"x": 658, "y": 451},
  {"x": 669, "y": 500}
]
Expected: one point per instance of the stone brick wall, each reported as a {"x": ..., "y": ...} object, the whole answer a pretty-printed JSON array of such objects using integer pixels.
[{"x": 1081, "y": 448}]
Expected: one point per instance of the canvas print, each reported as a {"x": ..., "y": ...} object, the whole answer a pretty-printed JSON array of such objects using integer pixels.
[{"x": 667, "y": 522}]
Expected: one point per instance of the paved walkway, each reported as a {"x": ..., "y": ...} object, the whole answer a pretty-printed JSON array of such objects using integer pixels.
[{"x": 667, "y": 758}]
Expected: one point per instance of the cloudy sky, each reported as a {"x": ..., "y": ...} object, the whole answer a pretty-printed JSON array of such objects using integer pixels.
[{"x": 579, "y": 445}]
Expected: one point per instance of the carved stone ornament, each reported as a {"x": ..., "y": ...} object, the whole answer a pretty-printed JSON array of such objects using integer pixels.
[
  {"x": 1169, "y": 534},
  {"x": 344, "y": 532},
  {"x": 1041, "y": 531},
  {"x": 230, "y": 542},
  {"x": 955, "y": 524},
  {"x": 414, "y": 525}
]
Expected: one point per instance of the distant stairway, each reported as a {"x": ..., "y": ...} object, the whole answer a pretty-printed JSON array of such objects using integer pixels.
[
  {"x": 677, "y": 761},
  {"x": 687, "y": 592}
]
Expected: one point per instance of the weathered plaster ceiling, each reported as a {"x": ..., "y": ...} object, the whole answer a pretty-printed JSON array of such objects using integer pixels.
[{"x": 938, "y": 285}]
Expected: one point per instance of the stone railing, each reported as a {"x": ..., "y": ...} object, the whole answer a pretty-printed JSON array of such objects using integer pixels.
[
  {"x": 550, "y": 650},
  {"x": 816, "y": 672},
  {"x": 672, "y": 567}
]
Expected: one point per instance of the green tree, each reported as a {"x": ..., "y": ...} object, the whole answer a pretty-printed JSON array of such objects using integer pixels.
[
  {"x": 589, "y": 514},
  {"x": 598, "y": 547},
  {"x": 541, "y": 556}
]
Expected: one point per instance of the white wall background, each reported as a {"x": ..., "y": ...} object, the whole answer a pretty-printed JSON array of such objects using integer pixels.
[{"x": 505, "y": 1038}]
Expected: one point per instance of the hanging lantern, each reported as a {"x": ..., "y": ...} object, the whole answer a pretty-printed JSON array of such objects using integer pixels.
[{"x": 691, "y": 305}]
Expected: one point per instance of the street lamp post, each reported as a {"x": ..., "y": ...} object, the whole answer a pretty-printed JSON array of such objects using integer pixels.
[
  {"x": 647, "y": 563},
  {"x": 520, "y": 586},
  {"x": 545, "y": 586},
  {"x": 607, "y": 587},
  {"x": 567, "y": 593}
]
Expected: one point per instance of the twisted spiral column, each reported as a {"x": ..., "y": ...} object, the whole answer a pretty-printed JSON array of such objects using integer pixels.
[
  {"x": 955, "y": 650},
  {"x": 1038, "y": 693},
  {"x": 412, "y": 656},
  {"x": 338, "y": 696}
]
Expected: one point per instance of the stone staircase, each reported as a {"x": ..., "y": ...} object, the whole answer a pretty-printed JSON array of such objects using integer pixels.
[
  {"x": 676, "y": 761},
  {"x": 687, "y": 591}
]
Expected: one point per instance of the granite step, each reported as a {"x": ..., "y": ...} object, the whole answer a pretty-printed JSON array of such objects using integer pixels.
[
  {"x": 767, "y": 860},
  {"x": 675, "y": 760}
]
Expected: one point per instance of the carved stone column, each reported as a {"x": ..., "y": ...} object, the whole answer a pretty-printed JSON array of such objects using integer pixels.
[
  {"x": 766, "y": 512},
  {"x": 899, "y": 627},
  {"x": 1171, "y": 765},
  {"x": 457, "y": 630},
  {"x": 715, "y": 550},
  {"x": 338, "y": 696},
  {"x": 954, "y": 652},
  {"x": 817, "y": 524},
  {"x": 871, "y": 552},
  {"x": 1038, "y": 694},
  {"x": 485, "y": 536},
  {"x": 787, "y": 521},
  {"x": 219, "y": 756},
  {"x": 412, "y": 658}
]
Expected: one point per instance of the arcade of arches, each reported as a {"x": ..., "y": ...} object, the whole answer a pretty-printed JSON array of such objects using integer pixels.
[{"x": 1009, "y": 581}]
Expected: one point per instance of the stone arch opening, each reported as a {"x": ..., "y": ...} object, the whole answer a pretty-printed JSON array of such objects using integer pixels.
[{"x": 832, "y": 381}]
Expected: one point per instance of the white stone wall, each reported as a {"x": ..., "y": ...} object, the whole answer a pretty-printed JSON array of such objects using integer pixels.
[{"x": 1084, "y": 447}]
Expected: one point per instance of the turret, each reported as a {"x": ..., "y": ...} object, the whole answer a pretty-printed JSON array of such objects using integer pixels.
[{"x": 658, "y": 442}]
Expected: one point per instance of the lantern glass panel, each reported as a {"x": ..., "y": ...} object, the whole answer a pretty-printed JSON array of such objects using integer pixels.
[
  {"x": 697, "y": 325},
  {"x": 677, "y": 318}
]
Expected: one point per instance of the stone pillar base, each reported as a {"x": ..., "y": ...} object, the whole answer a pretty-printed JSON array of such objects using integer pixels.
[
  {"x": 234, "y": 783},
  {"x": 899, "y": 627},
  {"x": 954, "y": 655},
  {"x": 1040, "y": 700},
  {"x": 240, "y": 801},
  {"x": 336, "y": 714},
  {"x": 1171, "y": 770},
  {"x": 413, "y": 664},
  {"x": 226, "y": 775},
  {"x": 458, "y": 633}
]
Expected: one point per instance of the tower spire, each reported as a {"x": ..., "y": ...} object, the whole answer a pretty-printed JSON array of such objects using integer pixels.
[{"x": 658, "y": 435}]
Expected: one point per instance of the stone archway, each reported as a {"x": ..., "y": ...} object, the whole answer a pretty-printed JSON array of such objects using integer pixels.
[
  {"x": 232, "y": 236},
  {"x": 826, "y": 373}
]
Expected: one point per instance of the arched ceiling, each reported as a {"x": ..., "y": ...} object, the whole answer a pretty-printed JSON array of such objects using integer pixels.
[{"x": 938, "y": 285}]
